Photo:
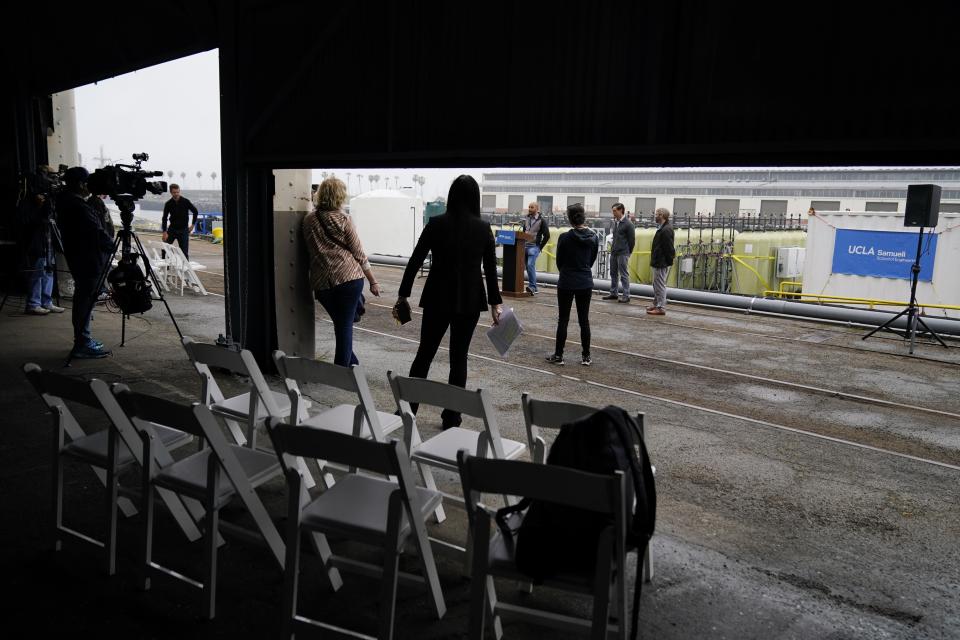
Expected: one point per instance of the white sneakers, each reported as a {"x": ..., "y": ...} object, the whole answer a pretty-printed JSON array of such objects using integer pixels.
[{"x": 42, "y": 311}]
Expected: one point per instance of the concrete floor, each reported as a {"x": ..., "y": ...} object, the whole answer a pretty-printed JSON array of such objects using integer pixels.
[{"x": 807, "y": 480}]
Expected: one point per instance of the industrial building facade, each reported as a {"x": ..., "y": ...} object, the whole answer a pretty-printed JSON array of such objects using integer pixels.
[{"x": 727, "y": 192}]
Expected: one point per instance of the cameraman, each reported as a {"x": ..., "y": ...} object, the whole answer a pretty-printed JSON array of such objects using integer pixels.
[
  {"x": 38, "y": 223},
  {"x": 87, "y": 248},
  {"x": 178, "y": 208}
]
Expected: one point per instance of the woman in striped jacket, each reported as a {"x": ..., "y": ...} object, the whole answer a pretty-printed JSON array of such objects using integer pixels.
[{"x": 338, "y": 265}]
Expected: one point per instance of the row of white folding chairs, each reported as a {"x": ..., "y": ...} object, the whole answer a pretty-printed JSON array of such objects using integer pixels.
[
  {"x": 173, "y": 267},
  {"x": 363, "y": 420},
  {"x": 143, "y": 429},
  {"x": 162, "y": 424}
]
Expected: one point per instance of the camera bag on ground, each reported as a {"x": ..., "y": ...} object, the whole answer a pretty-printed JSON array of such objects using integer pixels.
[
  {"x": 131, "y": 290},
  {"x": 554, "y": 539}
]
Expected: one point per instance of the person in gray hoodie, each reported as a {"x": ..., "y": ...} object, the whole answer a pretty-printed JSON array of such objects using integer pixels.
[{"x": 576, "y": 252}]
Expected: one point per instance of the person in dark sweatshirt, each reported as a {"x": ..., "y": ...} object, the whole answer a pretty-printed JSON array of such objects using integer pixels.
[
  {"x": 576, "y": 252},
  {"x": 177, "y": 209}
]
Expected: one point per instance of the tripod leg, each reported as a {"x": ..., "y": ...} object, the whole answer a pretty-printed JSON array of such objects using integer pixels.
[
  {"x": 156, "y": 282},
  {"x": 886, "y": 325},
  {"x": 931, "y": 331}
]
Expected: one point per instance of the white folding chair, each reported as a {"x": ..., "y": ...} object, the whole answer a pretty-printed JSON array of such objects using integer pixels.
[
  {"x": 187, "y": 269},
  {"x": 157, "y": 262},
  {"x": 101, "y": 450},
  {"x": 494, "y": 557},
  {"x": 551, "y": 414},
  {"x": 441, "y": 450},
  {"x": 253, "y": 407},
  {"x": 361, "y": 419},
  {"x": 213, "y": 476},
  {"x": 382, "y": 512}
]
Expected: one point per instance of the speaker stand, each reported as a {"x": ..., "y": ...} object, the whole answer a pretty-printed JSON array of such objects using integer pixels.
[{"x": 912, "y": 311}]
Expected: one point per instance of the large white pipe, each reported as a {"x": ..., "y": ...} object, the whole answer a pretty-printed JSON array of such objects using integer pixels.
[{"x": 944, "y": 326}]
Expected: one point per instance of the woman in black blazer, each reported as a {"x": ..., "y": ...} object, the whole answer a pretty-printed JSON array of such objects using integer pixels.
[{"x": 453, "y": 295}]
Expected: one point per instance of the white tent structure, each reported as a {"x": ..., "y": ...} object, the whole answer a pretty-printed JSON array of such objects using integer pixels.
[{"x": 388, "y": 221}]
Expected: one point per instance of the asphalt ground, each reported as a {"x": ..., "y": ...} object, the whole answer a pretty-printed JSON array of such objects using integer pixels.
[{"x": 807, "y": 480}]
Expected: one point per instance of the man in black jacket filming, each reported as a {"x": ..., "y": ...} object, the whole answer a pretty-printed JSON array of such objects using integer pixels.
[{"x": 87, "y": 248}]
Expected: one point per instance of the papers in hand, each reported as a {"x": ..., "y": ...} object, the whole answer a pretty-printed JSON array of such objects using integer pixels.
[{"x": 503, "y": 334}]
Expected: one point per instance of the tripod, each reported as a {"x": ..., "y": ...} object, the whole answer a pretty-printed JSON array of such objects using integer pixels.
[
  {"x": 122, "y": 242},
  {"x": 913, "y": 310}
]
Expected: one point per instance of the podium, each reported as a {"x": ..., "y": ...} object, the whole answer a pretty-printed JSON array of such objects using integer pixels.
[{"x": 515, "y": 266}]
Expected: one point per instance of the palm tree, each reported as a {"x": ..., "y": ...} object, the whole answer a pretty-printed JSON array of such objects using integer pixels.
[
  {"x": 199, "y": 182},
  {"x": 359, "y": 182},
  {"x": 170, "y": 174},
  {"x": 376, "y": 179},
  {"x": 348, "y": 183},
  {"x": 213, "y": 178},
  {"x": 183, "y": 176},
  {"x": 370, "y": 178},
  {"x": 396, "y": 182}
]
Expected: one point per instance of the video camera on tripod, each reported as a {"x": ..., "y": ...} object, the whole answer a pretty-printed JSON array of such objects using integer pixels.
[{"x": 125, "y": 184}]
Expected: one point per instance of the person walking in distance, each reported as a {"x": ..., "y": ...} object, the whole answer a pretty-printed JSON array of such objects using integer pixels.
[
  {"x": 662, "y": 255},
  {"x": 535, "y": 225},
  {"x": 576, "y": 252},
  {"x": 177, "y": 209},
  {"x": 453, "y": 295},
  {"x": 620, "y": 249},
  {"x": 338, "y": 265}
]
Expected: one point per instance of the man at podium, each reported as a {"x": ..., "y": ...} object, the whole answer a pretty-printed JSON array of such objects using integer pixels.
[{"x": 536, "y": 226}]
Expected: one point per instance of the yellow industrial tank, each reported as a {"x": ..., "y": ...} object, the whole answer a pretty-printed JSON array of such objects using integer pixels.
[
  {"x": 756, "y": 265},
  {"x": 638, "y": 266},
  {"x": 551, "y": 250}
]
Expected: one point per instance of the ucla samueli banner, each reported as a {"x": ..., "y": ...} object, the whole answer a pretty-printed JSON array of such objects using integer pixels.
[{"x": 883, "y": 254}]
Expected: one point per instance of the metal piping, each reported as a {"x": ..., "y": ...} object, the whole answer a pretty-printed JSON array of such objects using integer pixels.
[{"x": 748, "y": 303}]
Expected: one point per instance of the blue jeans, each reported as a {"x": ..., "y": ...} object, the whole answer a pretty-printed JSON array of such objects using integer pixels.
[
  {"x": 341, "y": 303},
  {"x": 533, "y": 251},
  {"x": 84, "y": 296},
  {"x": 183, "y": 239},
  {"x": 39, "y": 284}
]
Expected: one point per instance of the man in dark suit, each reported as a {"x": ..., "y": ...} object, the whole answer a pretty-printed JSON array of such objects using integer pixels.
[
  {"x": 620, "y": 249},
  {"x": 453, "y": 295}
]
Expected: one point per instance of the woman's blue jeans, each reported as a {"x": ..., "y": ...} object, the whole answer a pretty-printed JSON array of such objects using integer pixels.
[{"x": 341, "y": 303}]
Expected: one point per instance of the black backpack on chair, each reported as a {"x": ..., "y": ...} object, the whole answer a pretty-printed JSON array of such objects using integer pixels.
[{"x": 553, "y": 539}]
